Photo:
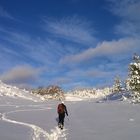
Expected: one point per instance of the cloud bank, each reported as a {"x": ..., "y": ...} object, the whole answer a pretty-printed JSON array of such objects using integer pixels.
[
  {"x": 20, "y": 75},
  {"x": 107, "y": 49}
]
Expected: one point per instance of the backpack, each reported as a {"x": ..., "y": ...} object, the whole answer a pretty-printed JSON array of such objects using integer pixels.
[{"x": 61, "y": 108}]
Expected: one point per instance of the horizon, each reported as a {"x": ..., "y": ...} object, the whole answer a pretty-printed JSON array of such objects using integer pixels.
[{"x": 69, "y": 43}]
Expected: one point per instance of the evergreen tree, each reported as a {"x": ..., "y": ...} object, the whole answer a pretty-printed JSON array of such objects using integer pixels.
[
  {"x": 117, "y": 87},
  {"x": 127, "y": 86},
  {"x": 134, "y": 78}
]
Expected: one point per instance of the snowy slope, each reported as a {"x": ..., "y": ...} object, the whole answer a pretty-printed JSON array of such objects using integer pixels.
[
  {"x": 14, "y": 92},
  {"x": 84, "y": 94},
  {"x": 99, "y": 95},
  {"x": 91, "y": 93}
]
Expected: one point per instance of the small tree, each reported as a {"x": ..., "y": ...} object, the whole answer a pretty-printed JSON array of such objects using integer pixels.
[
  {"x": 134, "y": 78},
  {"x": 117, "y": 87},
  {"x": 127, "y": 86}
]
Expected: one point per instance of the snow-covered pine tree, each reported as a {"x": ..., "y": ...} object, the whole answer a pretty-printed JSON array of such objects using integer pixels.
[
  {"x": 117, "y": 87},
  {"x": 134, "y": 79},
  {"x": 127, "y": 86}
]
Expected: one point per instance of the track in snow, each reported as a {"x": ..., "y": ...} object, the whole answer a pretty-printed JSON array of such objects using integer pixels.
[{"x": 38, "y": 133}]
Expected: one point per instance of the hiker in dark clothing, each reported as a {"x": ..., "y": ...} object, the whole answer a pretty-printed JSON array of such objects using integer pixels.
[{"x": 62, "y": 110}]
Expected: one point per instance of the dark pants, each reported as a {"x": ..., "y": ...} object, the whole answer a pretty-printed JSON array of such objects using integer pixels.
[{"x": 61, "y": 118}]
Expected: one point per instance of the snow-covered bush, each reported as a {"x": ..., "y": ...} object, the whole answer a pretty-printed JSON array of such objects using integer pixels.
[{"x": 50, "y": 92}]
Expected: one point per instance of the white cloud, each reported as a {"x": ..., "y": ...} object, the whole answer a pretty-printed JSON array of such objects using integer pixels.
[
  {"x": 20, "y": 75},
  {"x": 73, "y": 29},
  {"x": 129, "y": 11},
  {"x": 24, "y": 48},
  {"x": 106, "y": 48},
  {"x": 5, "y": 14}
]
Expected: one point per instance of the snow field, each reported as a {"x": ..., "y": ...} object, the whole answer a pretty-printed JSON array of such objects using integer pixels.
[{"x": 96, "y": 115}]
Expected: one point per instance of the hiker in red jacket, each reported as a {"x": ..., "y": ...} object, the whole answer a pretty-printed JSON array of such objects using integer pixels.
[{"x": 61, "y": 110}]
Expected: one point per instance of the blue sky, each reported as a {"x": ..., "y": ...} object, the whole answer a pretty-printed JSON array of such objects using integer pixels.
[{"x": 70, "y": 43}]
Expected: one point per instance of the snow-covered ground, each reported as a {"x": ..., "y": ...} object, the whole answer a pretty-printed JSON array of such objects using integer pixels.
[{"x": 89, "y": 119}]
